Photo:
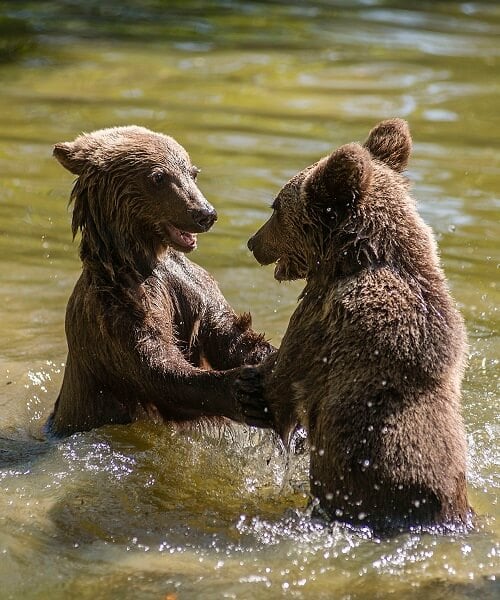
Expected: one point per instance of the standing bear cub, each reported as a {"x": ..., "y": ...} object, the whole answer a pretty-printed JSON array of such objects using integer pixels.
[
  {"x": 148, "y": 331},
  {"x": 372, "y": 360}
]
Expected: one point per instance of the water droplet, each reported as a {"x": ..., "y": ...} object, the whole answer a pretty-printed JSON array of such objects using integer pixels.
[
  {"x": 321, "y": 451},
  {"x": 329, "y": 496},
  {"x": 451, "y": 228},
  {"x": 366, "y": 463},
  {"x": 361, "y": 516},
  {"x": 338, "y": 512}
]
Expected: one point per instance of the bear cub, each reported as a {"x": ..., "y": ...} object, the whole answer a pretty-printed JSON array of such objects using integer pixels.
[
  {"x": 148, "y": 331},
  {"x": 372, "y": 360}
]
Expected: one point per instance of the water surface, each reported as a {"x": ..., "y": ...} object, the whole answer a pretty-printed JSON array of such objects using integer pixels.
[{"x": 255, "y": 91}]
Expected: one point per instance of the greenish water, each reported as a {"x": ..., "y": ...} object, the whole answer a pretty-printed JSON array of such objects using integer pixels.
[{"x": 255, "y": 91}]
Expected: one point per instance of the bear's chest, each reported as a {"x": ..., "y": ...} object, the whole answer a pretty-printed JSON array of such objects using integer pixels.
[
  {"x": 185, "y": 296},
  {"x": 312, "y": 330},
  {"x": 311, "y": 354}
]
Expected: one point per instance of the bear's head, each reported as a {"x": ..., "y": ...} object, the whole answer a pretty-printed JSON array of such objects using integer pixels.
[
  {"x": 351, "y": 208},
  {"x": 136, "y": 191}
]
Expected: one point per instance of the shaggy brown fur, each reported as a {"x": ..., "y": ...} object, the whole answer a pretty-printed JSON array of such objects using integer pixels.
[
  {"x": 372, "y": 360},
  {"x": 144, "y": 323}
]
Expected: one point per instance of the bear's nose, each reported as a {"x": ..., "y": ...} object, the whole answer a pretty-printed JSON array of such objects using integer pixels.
[
  {"x": 250, "y": 243},
  {"x": 205, "y": 218}
]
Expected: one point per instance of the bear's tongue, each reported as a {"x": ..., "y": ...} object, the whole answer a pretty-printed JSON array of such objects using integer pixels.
[{"x": 182, "y": 238}]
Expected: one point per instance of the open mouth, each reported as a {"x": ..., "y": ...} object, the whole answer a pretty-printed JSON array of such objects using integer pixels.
[
  {"x": 182, "y": 239},
  {"x": 279, "y": 270},
  {"x": 287, "y": 269}
]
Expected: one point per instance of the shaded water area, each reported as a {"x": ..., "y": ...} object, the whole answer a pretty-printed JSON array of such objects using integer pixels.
[{"x": 255, "y": 91}]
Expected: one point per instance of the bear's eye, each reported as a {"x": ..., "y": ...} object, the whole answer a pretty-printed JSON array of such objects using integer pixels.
[
  {"x": 159, "y": 177},
  {"x": 194, "y": 172}
]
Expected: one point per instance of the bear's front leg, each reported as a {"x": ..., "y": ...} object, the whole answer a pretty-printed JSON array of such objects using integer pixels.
[{"x": 228, "y": 340}]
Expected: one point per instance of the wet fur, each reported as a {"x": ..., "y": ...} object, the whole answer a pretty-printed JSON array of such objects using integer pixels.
[
  {"x": 149, "y": 333},
  {"x": 372, "y": 360}
]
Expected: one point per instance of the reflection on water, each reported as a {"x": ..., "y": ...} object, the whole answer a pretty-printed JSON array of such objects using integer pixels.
[{"x": 255, "y": 91}]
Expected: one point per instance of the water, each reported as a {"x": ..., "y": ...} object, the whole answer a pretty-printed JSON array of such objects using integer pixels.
[{"x": 255, "y": 91}]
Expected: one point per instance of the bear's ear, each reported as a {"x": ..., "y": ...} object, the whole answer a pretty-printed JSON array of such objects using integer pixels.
[
  {"x": 390, "y": 142},
  {"x": 342, "y": 178},
  {"x": 71, "y": 156}
]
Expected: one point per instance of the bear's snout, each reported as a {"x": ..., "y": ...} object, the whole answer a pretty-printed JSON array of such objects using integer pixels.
[
  {"x": 204, "y": 217},
  {"x": 260, "y": 250},
  {"x": 251, "y": 243},
  {"x": 263, "y": 244}
]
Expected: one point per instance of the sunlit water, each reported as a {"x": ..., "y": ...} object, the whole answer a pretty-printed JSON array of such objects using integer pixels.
[{"x": 255, "y": 91}]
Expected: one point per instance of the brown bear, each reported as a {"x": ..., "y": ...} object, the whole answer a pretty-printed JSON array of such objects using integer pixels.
[
  {"x": 372, "y": 360},
  {"x": 148, "y": 331}
]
